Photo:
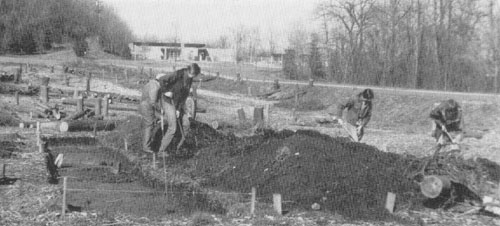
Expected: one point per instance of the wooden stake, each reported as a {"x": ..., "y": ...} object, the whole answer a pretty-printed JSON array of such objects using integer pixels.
[
  {"x": 241, "y": 116},
  {"x": 277, "y": 203},
  {"x": 258, "y": 115},
  {"x": 252, "y": 204},
  {"x": 43, "y": 146},
  {"x": 17, "y": 97},
  {"x": 89, "y": 77},
  {"x": 4, "y": 170},
  {"x": 266, "y": 113},
  {"x": 66, "y": 79},
  {"x": 311, "y": 82},
  {"x": 151, "y": 73},
  {"x": 98, "y": 106},
  {"x": 250, "y": 91},
  {"x": 125, "y": 144},
  {"x": 63, "y": 209},
  {"x": 44, "y": 94},
  {"x": 154, "y": 161},
  {"x": 390, "y": 201},
  {"x": 106, "y": 106},
  {"x": 38, "y": 133},
  {"x": 79, "y": 104},
  {"x": 52, "y": 69},
  {"x": 125, "y": 71}
]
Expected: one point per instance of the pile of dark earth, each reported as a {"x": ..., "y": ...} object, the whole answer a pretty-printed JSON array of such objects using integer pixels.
[{"x": 305, "y": 167}]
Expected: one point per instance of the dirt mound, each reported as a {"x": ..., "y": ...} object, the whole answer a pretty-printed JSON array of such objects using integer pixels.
[
  {"x": 307, "y": 167},
  {"x": 201, "y": 135}
]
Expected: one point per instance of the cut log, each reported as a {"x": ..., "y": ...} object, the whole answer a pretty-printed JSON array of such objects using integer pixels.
[
  {"x": 433, "y": 185},
  {"x": 45, "y": 81},
  {"x": 241, "y": 116},
  {"x": 54, "y": 125},
  {"x": 77, "y": 115},
  {"x": 91, "y": 105},
  {"x": 258, "y": 115},
  {"x": 87, "y": 125}
]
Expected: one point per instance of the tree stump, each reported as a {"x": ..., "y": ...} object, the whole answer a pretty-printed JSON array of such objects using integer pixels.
[
  {"x": 276, "y": 84},
  {"x": 44, "y": 94},
  {"x": 98, "y": 106},
  {"x": 45, "y": 81},
  {"x": 433, "y": 185},
  {"x": 241, "y": 116},
  {"x": 258, "y": 116},
  {"x": 79, "y": 104},
  {"x": 89, "y": 77}
]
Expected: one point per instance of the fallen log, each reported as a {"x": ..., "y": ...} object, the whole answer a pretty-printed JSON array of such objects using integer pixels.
[
  {"x": 92, "y": 105},
  {"x": 77, "y": 115},
  {"x": 53, "y": 125},
  {"x": 87, "y": 125},
  {"x": 432, "y": 186}
]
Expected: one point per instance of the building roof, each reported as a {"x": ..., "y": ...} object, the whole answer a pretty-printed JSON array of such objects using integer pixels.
[{"x": 170, "y": 44}]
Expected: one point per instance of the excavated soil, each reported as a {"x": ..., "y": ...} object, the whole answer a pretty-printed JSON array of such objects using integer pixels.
[{"x": 307, "y": 167}]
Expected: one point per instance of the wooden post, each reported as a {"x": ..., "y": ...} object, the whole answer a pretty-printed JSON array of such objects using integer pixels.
[
  {"x": 296, "y": 100},
  {"x": 125, "y": 71},
  {"x": 125, "y": 144},
  {"x": 65, "y": 184},
  {"x": 258, "y": 115},
  {"x": 252, "y": 204},
  {"x": 18, "y": 76},
  {"x": 43, "y": 146},
  {"x": 249, "y": 91},
  {"x": 89, "y": 77},
  {"x": 52, "y": 69},
  {"x": 66, "y": 79},
  {"x": 241, "y": 116},
  {"x": 44, "y": 94},
  {"x": 154, "y": 161},
  {"x": 277, "y": 203},
  {"x": 238, "y": 77},
  {"x": 266, "y": 113},
  {"x": 390, "y": 201},
  {"x": 98, "y": 106},
  {"x": 4, "y": 170},
  {"x": 276, "y": 84},
  {"x": 17, "y": 97},
  {"x": 151, "y": 73},
  {"x": 311, "y": 82},
  {"x": 38, "y": 133},
  {"x": 79, "y": 104},
  {"x": 106, "y": 106}
]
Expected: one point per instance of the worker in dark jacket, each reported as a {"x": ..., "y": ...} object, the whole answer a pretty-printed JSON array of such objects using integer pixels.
[
  {"x": 182, "y": 91},
  {"x": 177, "y": 86},
  {"x": 447, "y": 120},
  {"x": 149, "y": 108},
  {"x": 355, "y": 113}
]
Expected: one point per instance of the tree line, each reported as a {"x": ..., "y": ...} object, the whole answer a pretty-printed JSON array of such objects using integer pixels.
[
  {"x": 425, "y": 44},
  {"x": 34, "y": 26}
]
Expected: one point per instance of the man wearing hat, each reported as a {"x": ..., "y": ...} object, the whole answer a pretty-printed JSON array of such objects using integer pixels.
[
  {"x": 355, "y": 114},
  {"x": 176, "y": 87}
]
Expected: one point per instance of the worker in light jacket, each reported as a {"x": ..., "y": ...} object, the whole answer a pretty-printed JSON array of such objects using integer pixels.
[{"x": 355, "y": 113}]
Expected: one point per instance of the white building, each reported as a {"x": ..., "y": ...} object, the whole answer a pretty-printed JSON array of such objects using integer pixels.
[{"x": 179, "y": 51}]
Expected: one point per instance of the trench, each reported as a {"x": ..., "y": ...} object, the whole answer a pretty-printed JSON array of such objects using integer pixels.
[{"x": 104, "y": 180}]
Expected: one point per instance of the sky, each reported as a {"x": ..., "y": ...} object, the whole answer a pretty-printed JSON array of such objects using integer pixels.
[{"x": 205, "y": 20}]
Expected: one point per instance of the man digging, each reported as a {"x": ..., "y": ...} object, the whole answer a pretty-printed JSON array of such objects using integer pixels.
[
  {"x": 355, "y": 114},
  {"x": 177, "y": 87},
  {"x": 447, "y": 126}
]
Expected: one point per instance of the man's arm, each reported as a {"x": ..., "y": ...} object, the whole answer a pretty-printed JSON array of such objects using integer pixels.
[
  {"x": 343, "y": 106},
  {"x": 438, "y": 116}
]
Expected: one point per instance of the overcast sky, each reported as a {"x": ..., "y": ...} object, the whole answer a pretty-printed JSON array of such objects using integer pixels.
[{"x": 203, "y": 20}]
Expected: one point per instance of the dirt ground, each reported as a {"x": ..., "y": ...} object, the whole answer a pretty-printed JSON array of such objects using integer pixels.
[{"x": 348, "y": 180}]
